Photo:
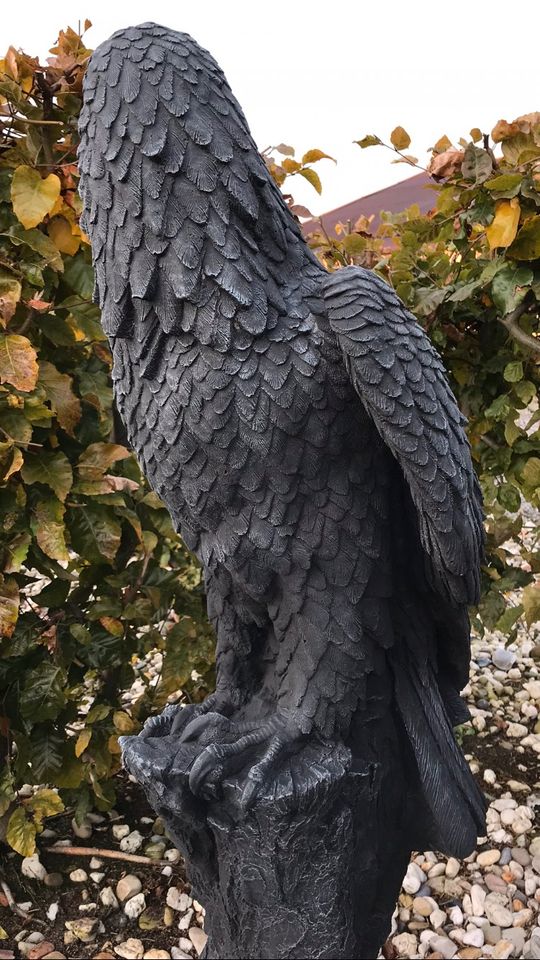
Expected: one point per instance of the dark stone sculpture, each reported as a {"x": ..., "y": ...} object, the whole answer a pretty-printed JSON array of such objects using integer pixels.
[{"x": 301, "y": 430}]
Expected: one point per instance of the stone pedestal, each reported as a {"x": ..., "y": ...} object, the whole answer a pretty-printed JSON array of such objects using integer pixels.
[{"x": 312, "y": 870}]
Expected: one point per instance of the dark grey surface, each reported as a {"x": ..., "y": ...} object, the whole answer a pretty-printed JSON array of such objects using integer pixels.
[{"x": 300, "y": 429}]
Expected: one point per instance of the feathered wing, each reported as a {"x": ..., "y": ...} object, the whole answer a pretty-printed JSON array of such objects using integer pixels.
[{"x": 401, "y": 382}]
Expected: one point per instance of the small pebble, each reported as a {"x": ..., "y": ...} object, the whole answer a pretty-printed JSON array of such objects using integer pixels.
[
  {"x": 120, "y": 830},
  {"x": 132, "y": 842},
  {"x": 127, "y": 887}
]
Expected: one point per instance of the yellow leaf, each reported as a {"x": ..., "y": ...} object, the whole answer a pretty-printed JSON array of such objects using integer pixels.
[
  {"x": 9, "y": 606},
  {"x": 83, "y": 740},
  {"x": 18, "y": 362},
  {"x": 10, "y": 294},
  {"x": 44, "y": 803},
  {"x": 113, "y": 745},
  {"x": 443, "y": 143},
  {"x": 503, "y": 229},
  {"x": 312, "y": 177},
  {"x": 21, "y": 833},
  {"x": 399, "y": 138},
  {"x": 60, "y": 233},
  {"x": 123, "y": 722},
  {"x": 32, "y": 196},
  {"x": 476, "y": 134},
  {"x": 312, "y": 156},
  {"x": 17, "y": 461},
  {"x": 112, "y": 626},
  {"x": 59, "y": 205},
  {"x": 291, "y": 166}
]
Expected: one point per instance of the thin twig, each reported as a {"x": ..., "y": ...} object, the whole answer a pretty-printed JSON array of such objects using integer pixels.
[
  {"x": 111, "y": 854},
  {"x": 489, "y": 442},
  {"x": 41, "y": 123},
  {"x": 510, "y": 322},
  {"x": 27, "y": 917}
]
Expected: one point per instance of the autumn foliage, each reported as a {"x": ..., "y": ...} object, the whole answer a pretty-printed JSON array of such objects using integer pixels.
[
  {"x": 93, "y": 579},
  {"x": 93, "y": 576},
  {"x": 470, "y": 271}
]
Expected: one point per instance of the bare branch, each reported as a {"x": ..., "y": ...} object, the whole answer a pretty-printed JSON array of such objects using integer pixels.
[
  {"x": 110, "y": 854},
  {"x": 510, "y": 322}
]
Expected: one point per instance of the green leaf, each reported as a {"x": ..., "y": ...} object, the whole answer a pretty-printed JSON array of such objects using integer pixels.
[
  {"x": 14, "y": 93},
  {"x": 46, "y": 754},
  {"x": 21, "y": 833},
  {"x": 510, "y": 286},
  {"x": 509, "y": 497},
  {"x": 95, "y": 532},
  {"x": 55, "y": 593},
  {"x": 505, "y": 185},
  {"x": 476, "y": 164},
  {"x": 399, "y": 138},
  {"x": 52, "y": 469},
  {"x": 526, "y": 246},
  {"x": 7, "y": 790},
  {"x": 15, "y": 424},
  {"x": 511, "y": 430},
  {"x": 79, "y": 276},
  {"x": 531, "y": 603},
  {"x": 96, "y": 388},
  {"x": 59, "y": 389},
  {"x": 49, "y": 530},
  {"x": 42, "y": 695},
  {"x": 312, "y": 177},
  {"x": 525, "y": 390},
  {"x": 510, "y": 616},
  {"x": 98, "y": 712},
  {"x": 18, "y": 552},
  {"x": 428, "y": 299},
  {"x": 369, "y": 141},
  {"x": 40, "y": 243},
  {"x": 531, "y": 472},
  {"x": 513, "y": 371}
]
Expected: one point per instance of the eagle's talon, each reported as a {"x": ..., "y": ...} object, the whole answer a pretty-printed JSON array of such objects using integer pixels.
[
  {"x": 185, "y": 716},
  {"x": 220, "y": 761}
]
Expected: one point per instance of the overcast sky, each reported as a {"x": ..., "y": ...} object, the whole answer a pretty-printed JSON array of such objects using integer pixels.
[{"x": 317, "y": 74}]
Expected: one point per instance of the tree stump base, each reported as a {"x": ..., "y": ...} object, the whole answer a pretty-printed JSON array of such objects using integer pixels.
[{"x": 312, "y": 870}]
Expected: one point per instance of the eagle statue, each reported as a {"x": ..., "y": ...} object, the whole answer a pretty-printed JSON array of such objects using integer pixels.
[{"x": 299, "y": 426}]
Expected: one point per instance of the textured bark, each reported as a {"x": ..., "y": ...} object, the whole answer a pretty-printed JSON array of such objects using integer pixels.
[{"x": 312, "y": 870}]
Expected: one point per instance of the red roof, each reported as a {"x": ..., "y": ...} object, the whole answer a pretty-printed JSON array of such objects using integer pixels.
[{"x": 393, "y": 199}]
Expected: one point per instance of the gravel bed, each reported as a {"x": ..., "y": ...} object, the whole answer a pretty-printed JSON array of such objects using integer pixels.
[{"x": 486, "y": 906}]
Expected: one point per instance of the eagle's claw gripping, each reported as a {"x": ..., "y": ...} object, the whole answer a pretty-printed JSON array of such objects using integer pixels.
[{"x": 246, "y": 748}]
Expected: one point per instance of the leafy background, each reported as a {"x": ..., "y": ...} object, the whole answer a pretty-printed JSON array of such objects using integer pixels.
[{"x": 93, "y": 578}]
